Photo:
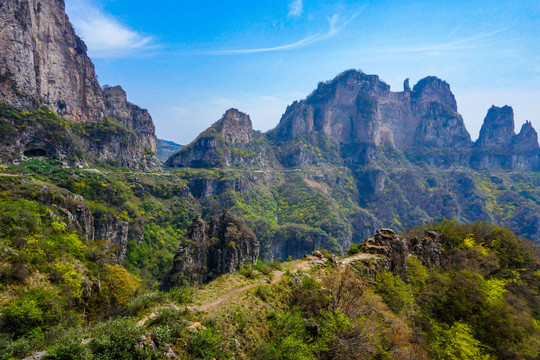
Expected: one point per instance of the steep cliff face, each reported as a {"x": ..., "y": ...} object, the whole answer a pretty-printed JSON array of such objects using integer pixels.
[
  {"x": 230, "y": 141},
  {"x": 113, "y": 231},
  {"x": 359, "y": 113},
  {"x": 499, "y": 147},
  {"x": 43, "y": 63},
  {"x": 498, "y": 128},
  {"x": 526, "y": 140},
  {"x": 212, "y": 249}
]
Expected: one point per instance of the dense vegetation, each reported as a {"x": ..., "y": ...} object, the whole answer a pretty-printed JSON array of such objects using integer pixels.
[
  {"x": 482, "y": 303},
  {"x": 82, "y": 294}
]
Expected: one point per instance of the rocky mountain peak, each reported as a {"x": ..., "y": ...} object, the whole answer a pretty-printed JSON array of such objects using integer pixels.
[
  {"x": 235, "y": 126},
  {"x": 527, "y": 139},
  {"x": 406, "y": 85},
  {"x": 433, "y": 89},
  {"x": 230, "y": 141},
  {"x": 346, "y": 87},
  {"x": 359, "y": 113},
  {"x": 498, "y": 127},
  {"x": 114, "y": 94}
]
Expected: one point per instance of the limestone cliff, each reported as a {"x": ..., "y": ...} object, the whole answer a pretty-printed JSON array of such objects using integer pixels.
[
  {"x": 499, "y": 147},
  {"x": 92, "y": 226},
  {"x": 212, "y": 249},
  {"x": 359, "y": 113},
  {"x": 230, "y": 141},
  {"x": 44, "y": 63}
]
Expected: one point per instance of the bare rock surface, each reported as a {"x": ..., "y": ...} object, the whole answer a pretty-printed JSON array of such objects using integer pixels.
[
  {"x": 212, "y": 249},
  {"x": 44, "y": 63}
]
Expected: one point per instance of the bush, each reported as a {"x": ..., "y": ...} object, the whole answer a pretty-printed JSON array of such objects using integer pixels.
[
  {"x": 394, "y": 292},
  {"x": 35, "y": 311},
  {"x": 456, "y": 343},
  {"x": 207, "y": 343},
  {"x": 118, "y": 285},
  {"x": 353, "y": 249},
  {"x": 120, "y": 339},
  {"x": 180, "y": 295}
]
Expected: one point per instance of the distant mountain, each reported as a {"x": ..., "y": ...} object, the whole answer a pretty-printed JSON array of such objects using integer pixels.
[
  {"x": 371, "y": 158},
  {"x": 166, "y": 148},
  {"x": 230, "y": 141}
]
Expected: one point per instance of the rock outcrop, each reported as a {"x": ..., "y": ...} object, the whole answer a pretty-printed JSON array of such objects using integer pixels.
[
  {"x": 395, "y": 250},
  {"x": 44, "y": 63},
  {"x": 90, "y": 226},
  {"x": 230, "y": 141},
  {"x": 212, "y": 249},
  {"x": 498, "y": 128},
  {"x": 499, "y": 147}
]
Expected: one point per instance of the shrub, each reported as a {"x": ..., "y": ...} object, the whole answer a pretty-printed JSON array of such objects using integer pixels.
[
  {"x": 456, "y": 343},
  {"x": 353, "y": 249},
  {"x": 118, "y": 285},
  {"x": 207, "y": 343},
  {"x": 120, "y": 339},
  {"x": 144, "y": 301},
  {"x": 36, "y": 310},
  {"x": 394, "y": 292},
  {"x": 181, "y": 295}
]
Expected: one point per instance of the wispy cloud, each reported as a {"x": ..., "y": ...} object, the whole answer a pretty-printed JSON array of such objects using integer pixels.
[
  {"x": 471, "y": 42},
  {"x": 296, "y": 8},
  {"x": 103, "y": 34},
  {"x": 335, "y": 25}
]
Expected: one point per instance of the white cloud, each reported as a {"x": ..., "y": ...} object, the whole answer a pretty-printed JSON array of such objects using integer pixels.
[
  {"x": 335, "y": 26},
  {"x": 103, "y": 34},
  {"x": 296, "y": 8}
]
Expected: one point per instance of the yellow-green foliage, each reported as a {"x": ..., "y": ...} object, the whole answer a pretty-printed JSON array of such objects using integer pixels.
[
  {"x": 456, "y": 343},
  {"x": 118, "y": 285},
  {"x": 395, "y": 293},
  {"x": 71, "y": 280}
]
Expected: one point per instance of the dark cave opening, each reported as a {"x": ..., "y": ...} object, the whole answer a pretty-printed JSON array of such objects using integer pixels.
[{"x": 35, "y": 152}]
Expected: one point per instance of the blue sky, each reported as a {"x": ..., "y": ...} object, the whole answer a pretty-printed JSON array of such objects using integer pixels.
[{"x": 187, "y": 62}]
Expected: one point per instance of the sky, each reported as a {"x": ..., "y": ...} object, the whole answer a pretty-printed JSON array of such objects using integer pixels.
[{"x": 187, "y": 62}]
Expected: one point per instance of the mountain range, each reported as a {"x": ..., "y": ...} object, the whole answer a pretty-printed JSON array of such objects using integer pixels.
[
  {"x": 366, "y": 156},
  {"x": 116, "y": 244}
]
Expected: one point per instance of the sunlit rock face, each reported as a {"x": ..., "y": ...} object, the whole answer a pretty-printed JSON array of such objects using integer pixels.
[
  {"x": 359, "y": 113},
  {"x": 230, "y": 141},
  {"x": 43, "y": 62}
]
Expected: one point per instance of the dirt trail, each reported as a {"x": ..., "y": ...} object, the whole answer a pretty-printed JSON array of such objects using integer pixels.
[
  {"x": 278, "y": 276},
  {"x": 360, "y": 256},
  {"x": 226, "y": 296}
]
